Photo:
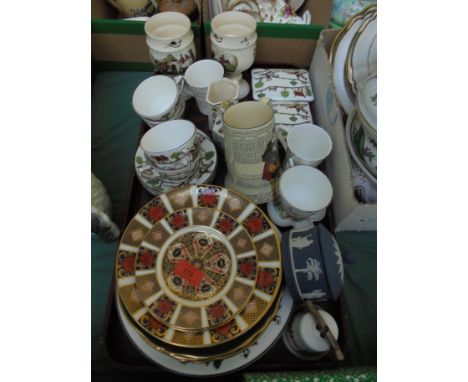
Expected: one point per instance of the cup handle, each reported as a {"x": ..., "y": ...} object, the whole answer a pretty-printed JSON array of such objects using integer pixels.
[
  {"x": 290, "y": 163},
  {"x": 180, "y": 83}
]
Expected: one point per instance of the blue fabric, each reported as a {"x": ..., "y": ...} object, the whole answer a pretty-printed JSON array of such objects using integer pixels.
[{"x": 114, "y": 135}]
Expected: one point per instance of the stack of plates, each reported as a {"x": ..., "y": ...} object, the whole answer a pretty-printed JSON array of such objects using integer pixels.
[
  {"x": 198, "y": 281},
  {"x": 353, "y": 56},
  {"x": 353, "y": 59}
]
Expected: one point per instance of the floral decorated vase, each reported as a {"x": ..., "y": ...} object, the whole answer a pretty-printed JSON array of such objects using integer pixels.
[{"x": 170, "y": 40}]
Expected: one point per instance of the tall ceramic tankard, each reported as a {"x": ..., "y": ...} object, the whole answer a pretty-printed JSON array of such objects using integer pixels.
[{"x": 251, "y": 150}]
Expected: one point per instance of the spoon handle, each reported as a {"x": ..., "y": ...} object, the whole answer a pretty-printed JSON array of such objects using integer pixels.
[{"x": 331, "y": 338}]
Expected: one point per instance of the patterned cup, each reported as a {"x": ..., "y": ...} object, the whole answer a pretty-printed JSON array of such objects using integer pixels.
[{"x": 171, "y": 145}]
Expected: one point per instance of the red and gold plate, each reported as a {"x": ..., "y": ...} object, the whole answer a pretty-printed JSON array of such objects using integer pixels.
[{"x": 198, "y": 266}]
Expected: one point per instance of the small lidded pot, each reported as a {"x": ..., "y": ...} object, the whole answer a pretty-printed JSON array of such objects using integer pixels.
[
  {"x": 313, "y": 265},
  {"x": 170, "y": 40}
]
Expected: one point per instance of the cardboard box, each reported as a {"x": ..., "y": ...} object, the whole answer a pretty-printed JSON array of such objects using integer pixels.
[
  {"x": 284, "y": 44},
  {"x": 121, "y": 44},
  {"x": 348, "y": 213}
]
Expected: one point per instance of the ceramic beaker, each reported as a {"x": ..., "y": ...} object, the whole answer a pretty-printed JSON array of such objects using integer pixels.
[{"x": 251, "y": 150}]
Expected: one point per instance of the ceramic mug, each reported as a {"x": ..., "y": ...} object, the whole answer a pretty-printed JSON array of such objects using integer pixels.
[
  {"x": 220, "y": 96},
  {"x": 305, "y": 335},
  {"x": 305, "y": 192},
  {"x": 170, "y": 40},
  {"x": 198, "y": 78},
  {"x": 251, "y": 150},
  {"x": 308, "y": 145},
  {"x": 134, "y": 8},
  {"x": 156, "y": 98},
  {"x": 171, "y": 145}
]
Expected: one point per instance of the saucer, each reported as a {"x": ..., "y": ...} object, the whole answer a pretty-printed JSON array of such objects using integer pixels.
[
  {"x": 281, "y": 219},
  {"x": 152, "y": 181}
]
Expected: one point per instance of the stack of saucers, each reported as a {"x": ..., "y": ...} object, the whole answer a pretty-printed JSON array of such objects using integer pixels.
[
  {"x": 199, "y": 281},
  {"x": 158, "y": 99}
]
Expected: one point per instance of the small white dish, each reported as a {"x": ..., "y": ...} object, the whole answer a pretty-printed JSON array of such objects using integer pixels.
[
  {"x": 154, "y": 183},
  {"x": 282, "y": 85}
]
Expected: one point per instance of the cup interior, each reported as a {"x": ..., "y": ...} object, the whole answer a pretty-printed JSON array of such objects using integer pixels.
[
  {"x": 168, "y": 136},
  {"x": 154, "y": 96},
  {"x": 202, "y": 73},
  {"x": 233, "y": 24},
  {"x": 167, "y": 25},
  {"x": 305, "y": 188},
  {"x": 248, "y": 115},
  {"x": 309, "y": 142}
]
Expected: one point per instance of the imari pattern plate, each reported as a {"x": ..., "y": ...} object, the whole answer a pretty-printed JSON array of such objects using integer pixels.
[
  {"x": 282, "y": 85},
  {"x": 198, "y": 266}
]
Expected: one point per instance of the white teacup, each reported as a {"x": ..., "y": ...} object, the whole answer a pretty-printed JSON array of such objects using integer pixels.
[
  {"x": 305, "y": 192},
  {"x": 305, "y": 334},
  {"x": 307, "y": 145},
  {"x": 156, "y": 97},
  {"x": 198, "y": 77},
  {"x": 171, "y": 145}
]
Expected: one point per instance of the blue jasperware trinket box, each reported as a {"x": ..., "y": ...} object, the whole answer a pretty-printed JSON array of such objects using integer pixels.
[{"x": 312, "y": 262}]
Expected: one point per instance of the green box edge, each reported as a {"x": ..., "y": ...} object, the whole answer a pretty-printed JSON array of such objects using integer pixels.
[
  {"x": 116, "y": 26},
  {"x": 273, "y": 30}
]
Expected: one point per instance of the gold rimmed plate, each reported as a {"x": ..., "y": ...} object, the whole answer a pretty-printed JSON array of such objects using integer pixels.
[
  {"x": 206, "y": 354},
  {"x": 189, "y": 295},
  {"x": 362, "y": 57},
  {"x": 338, "y": 56}
]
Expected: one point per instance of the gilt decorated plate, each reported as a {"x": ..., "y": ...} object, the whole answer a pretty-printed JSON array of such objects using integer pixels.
[
  {"x": 198, "y": 266},
  {"x": 266, "y": 337},
  {"x": 339, "y": 52}
]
